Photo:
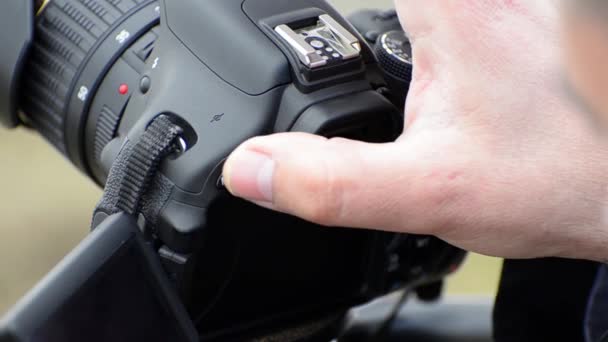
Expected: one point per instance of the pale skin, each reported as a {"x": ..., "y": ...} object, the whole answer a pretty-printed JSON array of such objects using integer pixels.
[{"x": 495, "y": 157}]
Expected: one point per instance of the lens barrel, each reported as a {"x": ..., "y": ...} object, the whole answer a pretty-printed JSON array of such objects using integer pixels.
[{"x": 75, "y": 43}]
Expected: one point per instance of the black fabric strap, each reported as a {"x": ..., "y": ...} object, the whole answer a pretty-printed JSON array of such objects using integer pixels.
[
  {"x": 134, "y": 185},
  {"x": 159, "y": 140}
]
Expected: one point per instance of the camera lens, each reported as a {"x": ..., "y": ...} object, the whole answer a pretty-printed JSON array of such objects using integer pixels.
[{"x": 75, "y": 44}]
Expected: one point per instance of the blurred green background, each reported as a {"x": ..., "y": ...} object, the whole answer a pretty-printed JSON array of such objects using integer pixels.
[{"x": 46, "y": 206}]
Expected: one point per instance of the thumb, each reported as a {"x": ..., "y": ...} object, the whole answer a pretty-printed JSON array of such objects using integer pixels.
[{"x": 339, "y": 182}]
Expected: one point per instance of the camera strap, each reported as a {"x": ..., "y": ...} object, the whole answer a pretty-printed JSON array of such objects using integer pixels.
[{"x": 133, "y": 174}]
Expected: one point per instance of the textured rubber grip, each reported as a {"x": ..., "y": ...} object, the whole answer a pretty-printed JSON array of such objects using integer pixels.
[{"x": 67, "y": 33}]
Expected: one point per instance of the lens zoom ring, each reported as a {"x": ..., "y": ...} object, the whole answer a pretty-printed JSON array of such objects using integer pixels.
[{"x": 65, "y": 35}]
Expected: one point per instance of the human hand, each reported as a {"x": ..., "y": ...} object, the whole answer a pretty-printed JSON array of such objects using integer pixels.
[{"x": 494, "y": 158}]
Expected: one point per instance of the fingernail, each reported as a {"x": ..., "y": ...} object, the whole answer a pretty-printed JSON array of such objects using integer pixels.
[{"x": 249, "y": 175}]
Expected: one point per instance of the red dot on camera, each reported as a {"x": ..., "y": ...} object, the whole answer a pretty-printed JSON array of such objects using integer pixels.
[{"x": 123, "y": 89}]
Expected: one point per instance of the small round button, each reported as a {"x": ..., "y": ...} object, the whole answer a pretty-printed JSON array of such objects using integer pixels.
[
  {"x": 144, "y": 84},
  {"x": 317, "y": 44},
  {"x": 387, "y": 15},
  {"x": 372, "y": 36}
]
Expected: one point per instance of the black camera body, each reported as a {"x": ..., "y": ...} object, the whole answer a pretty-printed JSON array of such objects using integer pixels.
[{"x": 96, "y": 74}]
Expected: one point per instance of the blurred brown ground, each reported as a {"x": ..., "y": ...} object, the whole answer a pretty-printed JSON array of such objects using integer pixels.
[{"x": 46, "y": 205}]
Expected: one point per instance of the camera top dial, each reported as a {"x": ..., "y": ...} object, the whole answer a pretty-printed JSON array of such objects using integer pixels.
[{"x": 394, "y": 52}]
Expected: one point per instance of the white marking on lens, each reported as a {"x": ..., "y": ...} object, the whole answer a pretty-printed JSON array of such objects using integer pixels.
[
  {"x": 122, "y": 37},
  {"x": 83, "y": 93}
]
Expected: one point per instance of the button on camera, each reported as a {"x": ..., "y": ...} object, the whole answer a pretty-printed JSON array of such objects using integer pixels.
[
  {"x": 317, "y": 44},
  {"x": 144, "y": 84}
]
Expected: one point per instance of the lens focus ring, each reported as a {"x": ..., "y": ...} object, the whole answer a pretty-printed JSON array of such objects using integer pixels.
[{"x": 67, "y": 35}]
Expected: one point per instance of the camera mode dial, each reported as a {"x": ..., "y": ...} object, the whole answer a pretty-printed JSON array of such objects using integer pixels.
[{"x": 394, "y": 53}]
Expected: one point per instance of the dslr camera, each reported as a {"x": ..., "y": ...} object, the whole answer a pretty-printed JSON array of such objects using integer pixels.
[{"x": 148, "y": 98}]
